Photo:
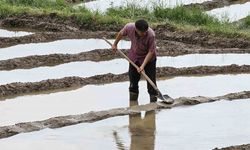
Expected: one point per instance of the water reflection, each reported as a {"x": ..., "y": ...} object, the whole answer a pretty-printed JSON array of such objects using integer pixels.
[{"x": 142, "y": 131}]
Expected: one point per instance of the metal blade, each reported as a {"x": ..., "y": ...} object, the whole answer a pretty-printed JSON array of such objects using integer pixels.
[{"x": 165, "y": 98}]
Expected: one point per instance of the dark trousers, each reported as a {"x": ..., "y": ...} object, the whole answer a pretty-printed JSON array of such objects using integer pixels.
[{"x": 134, "y": 77}]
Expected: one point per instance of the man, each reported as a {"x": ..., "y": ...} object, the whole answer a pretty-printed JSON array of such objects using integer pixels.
[{"x": 142, "y": 53}]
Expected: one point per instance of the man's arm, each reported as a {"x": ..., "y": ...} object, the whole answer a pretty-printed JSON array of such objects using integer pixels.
[
  {"x": 147, "y": 59},
  {"x": 117, "y": 39}
]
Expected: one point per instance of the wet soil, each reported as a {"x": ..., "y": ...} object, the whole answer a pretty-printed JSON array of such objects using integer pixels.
[
  {"x": 53, "y": 36},
  {"x": 201, "y": 38},
  {"x": 209, "y": 5},
  {"x": 15, "y": 89},
  {"x": 57, "y": 122},
  {"x": 163, "y": 32},
  {"x": 238, "y": 147},
  {"x": 102, "y": 55}
]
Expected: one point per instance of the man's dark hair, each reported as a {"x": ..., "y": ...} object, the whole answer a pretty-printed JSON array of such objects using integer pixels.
[{"x": 141, "y": 25}]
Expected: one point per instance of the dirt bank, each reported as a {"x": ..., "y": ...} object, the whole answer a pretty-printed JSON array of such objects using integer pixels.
[
  {"x": 200, "y": 38},
  {"x": 15, "y": 89},
  {"x": 102, "y": 55},
  {"x": 42, "y": 37},
  {"x": 57, "y": 122},
  {"x": 238, "y": 147},
  {"x": 209, "y": 5},
  {"x": 163, "y": 32}
]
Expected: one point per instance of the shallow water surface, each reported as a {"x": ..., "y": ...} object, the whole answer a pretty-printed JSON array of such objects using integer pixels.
[
  {"x": 203, "y": 127},
  {"x": 103, "y": 5},
  {"x": 102, "y": 97},
  {"x": 68, "y": 46},
  {"x": 232, "y": 12},
  {"x": 7, "y": 33},
  {"x": 117, "y": 66}
]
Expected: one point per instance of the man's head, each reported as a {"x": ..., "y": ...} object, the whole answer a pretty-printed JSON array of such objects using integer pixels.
[{"x": 141, "y": 27}]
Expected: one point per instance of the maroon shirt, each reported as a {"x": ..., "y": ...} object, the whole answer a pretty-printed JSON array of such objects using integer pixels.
[{"x": 140, "y": 46}]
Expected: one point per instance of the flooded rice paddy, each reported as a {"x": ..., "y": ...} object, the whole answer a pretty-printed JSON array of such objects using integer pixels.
[
  {"x": 205, "y": 126},
  {"x": 68, "y": 46},
  {"x": 102, "y": 97},
  {"x": 232, "y": 13},
  {"x": 103, "y": 5},
  {"x": 202, "y": 127}
]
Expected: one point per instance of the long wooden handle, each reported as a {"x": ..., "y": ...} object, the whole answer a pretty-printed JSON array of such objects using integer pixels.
[{"x": 130, "y": 61}]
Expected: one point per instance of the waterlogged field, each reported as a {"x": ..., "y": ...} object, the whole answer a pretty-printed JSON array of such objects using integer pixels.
[{"x": 61, "y": 89}]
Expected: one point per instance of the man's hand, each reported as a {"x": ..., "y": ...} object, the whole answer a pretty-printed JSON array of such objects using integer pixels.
[
  {"x": 140, "y": 69},
  {"x": 114, "y": 48}
]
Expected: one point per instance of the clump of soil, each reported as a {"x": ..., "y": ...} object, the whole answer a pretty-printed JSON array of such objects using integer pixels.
[{"x": 238, "y": 147}]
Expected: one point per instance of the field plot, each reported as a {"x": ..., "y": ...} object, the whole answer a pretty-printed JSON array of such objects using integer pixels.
[{"x": 62, "y": 87}]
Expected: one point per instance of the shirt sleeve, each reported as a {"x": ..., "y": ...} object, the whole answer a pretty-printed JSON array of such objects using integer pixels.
[
  {"x": 152, "y": 44},
  {"x": 125, "y": 30}
]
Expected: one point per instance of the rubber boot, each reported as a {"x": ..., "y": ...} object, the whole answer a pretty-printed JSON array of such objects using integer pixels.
[
  {"x": 153, "y": 98},
  {"x": 133, "y": 96}
]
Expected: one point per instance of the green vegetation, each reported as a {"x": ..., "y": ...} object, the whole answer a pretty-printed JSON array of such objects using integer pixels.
[
  {"x": 246, "y": 22},
  {"x": 180, "y": 16}
]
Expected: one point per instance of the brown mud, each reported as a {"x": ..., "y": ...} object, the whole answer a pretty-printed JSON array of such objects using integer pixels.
[
  {"x": 200, "y": 38},
  {"x": 103, "y": 55},
  {"x": 16, "y": 89},
  {"x": 209, "y": 5},
  {"x": 163, "y": 32},
  {"x": 238, "y": 147},
  {"x": 42, "y": 37},
  {"x": 62, "y": 121}
]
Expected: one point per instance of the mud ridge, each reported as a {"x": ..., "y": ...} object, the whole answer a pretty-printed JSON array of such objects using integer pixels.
[
  {"x": 238, "y": 147},
  {"x": 42, "y": 37},
  {"x": 201, "y": 38},
  {"x": 16, "y": 89},
  {"x": 163, "y": 32},
  {"x": 51, "y": 22},
  {"x": 62, "y": 121},
  {"x": 209, "y": 5},
  {"x": 99, "y": 55}
]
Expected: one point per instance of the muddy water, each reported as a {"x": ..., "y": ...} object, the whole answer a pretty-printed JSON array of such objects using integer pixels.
[
  {"x": 116, "y": 66},
  {"x": 61, "y": 46},
  {"x": 94, "y": 98},
  {"x": 202, "y": 127},
  {"x": 7, "y": 33},
  {"x": 103, "y": 5},
  {"x": 233, "y": 12},
  {"x": 80, "y": 69},
  {"x": 204, "y": 59}
]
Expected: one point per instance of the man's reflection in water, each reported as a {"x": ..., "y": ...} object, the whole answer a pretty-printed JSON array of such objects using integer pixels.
[{"x": 142, "y": 130}]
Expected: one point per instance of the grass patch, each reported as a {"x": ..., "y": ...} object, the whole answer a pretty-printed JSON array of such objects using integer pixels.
[
  {"x": 246, "y": 22},
  {"x": 131, "y": 11},
  {"x": 181, "y": 14}
]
